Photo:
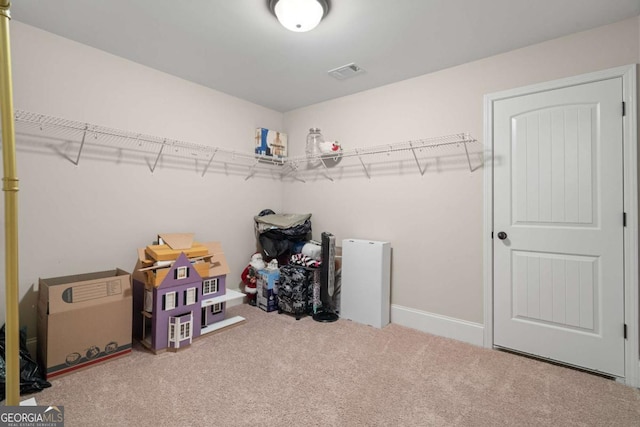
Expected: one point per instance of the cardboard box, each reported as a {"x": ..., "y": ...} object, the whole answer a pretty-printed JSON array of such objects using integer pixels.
[
  {"x": 83, "y": 320},
  {"x": 267, "y": 299},
  {"x": 267, "y": 289},
  {"x": 271, "y": 143},
  {"x": 268, "y": 278}
]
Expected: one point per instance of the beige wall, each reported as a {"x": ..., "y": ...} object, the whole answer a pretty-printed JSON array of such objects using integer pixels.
[
  {"x": 93, "y": 217},
  {"x": 434, "y": 222}
]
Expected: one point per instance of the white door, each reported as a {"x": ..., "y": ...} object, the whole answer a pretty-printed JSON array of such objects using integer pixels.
[{"x": 558, "y": 199}]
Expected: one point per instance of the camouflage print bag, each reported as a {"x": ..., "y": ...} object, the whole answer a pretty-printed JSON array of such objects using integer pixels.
[{"x": 294, "y": 291}]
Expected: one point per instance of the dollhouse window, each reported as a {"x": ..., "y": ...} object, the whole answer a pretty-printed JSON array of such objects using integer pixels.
[
  {"x": 180, "y": 329},
  {"x": 216, "y": 308},
  {"x": 169, "y": 301},
  {"x": 209, "y": 286},
  {"x": 190, "y": 296},
  {"x": 185, "y": 330},
  {"x": 182, "y": 273},
  {"x": 148, "y": 300}
]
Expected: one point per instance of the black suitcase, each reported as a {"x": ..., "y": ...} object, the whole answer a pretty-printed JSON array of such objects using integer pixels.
[{"x": 295, "y": 290}]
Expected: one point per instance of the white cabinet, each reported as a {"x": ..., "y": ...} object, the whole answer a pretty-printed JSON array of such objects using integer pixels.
[{"x": 366, "y": 282}]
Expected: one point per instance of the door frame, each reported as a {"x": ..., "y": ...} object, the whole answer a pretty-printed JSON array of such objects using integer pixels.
[{"x": 630, "y": 194}]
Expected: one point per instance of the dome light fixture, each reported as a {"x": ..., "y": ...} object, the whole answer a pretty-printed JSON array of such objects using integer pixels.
[{"x": 299, "y": 15}]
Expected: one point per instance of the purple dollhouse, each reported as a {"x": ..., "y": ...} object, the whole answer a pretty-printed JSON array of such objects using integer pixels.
[{"x": 174, "y": 304}]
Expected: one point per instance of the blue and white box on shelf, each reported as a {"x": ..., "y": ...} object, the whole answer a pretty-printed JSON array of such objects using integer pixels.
[{"x": 271, "y": 143}]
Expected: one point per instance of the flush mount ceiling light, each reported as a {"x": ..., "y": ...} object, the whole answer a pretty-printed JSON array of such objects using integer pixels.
[{"x": 299, "y": 15}]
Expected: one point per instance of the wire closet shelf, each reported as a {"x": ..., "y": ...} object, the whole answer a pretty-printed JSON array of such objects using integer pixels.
[
  {"x": 415, "y": 147},
  {"x": 55, "y": 127}
]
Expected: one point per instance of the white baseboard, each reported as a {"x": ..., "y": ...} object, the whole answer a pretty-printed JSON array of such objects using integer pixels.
[{"x": 436, "y": 324}]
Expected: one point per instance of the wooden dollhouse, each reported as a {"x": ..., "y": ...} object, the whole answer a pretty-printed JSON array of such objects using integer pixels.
[{"x": 179, "y": 292}]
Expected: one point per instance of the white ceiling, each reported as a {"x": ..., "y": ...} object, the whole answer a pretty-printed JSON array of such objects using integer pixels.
[{"x": 238, "y": 47}]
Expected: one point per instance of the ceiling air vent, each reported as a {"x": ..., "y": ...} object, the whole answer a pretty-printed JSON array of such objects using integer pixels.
[{"x": 346, "y": 71}]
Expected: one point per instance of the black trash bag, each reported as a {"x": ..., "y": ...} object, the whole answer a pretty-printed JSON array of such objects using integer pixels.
[
  {"x": 280, "y": 241},
  {"x": 31, "y": 379},
  {"x": 273, "y": 248},
  {"x": 267, "y": 211}
]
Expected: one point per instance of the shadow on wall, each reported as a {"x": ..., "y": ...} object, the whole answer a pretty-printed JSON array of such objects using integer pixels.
[
  {"x": 97, "y": 149},
  {"x": 418, "y": 162},
  {"x": 102, "y": 149},
  {"x": 76, "y": 141}
]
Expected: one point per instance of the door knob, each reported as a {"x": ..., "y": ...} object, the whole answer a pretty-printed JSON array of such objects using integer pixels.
[{"x": 502, "y": 235}]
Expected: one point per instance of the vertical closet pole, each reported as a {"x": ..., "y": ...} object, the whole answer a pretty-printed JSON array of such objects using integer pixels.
[{"x": 10, "y": 188}]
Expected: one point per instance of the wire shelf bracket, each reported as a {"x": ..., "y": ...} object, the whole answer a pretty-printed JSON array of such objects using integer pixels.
[
  {"x": 466, "y": 151},
  {"x": 363, "y": 165},
  {"x": 293, "y": 171},
  {"x": 415, "y": 156},
  {"x": 215, "y": 150},
  {"x": 326, "y": 170},
  {"x": 252, "y": 169},
  {"x": 153, "y": 168},
  {"x": 84, "y": 136}
]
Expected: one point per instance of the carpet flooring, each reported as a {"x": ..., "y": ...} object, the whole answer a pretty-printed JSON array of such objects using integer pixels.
[{"x": 275, "y": 371}]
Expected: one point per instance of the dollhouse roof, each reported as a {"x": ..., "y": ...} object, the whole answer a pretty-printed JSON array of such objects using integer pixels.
[
  {"x": 212, "y": 256},
  {"x": 219, "y": 266}
]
